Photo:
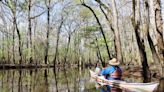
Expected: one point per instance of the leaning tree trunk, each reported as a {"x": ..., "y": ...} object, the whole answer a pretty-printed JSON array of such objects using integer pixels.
[
  {"x": 19, "y": 36},
  {"x": 15, "y": 26},
  {"x": 140, "y": 41},
  {"x": 101, "y": 29},
  {"x": 57, "y": 43},
  {"x": 116, "y": 32},
  {"x": 115, "y": 29},
  {"x": 20, "y": 43}
]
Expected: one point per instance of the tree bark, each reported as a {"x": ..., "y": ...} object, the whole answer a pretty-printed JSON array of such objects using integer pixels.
[
  {"x": 147, "y": 20},
  {"x": 159, "y": 30},
  {"x": 20, "y": 42},
  {"x": 57, "y": 43},
  {"x": 116, "y": 32},
  {"x": 48, "y": 31},
  {"x": 30, "y": 30},
  {"x": 13, "y": 40},
  {"x": 140, "y": 41}
]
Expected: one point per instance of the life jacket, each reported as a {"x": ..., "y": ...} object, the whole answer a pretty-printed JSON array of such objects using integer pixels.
[{"x": 117, "y": 73}]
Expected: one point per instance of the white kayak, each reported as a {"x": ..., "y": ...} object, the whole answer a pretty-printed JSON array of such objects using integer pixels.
[{"x": 139, "y": 87}]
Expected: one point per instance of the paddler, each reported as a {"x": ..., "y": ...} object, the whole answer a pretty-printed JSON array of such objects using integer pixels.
[{"x": 112, "y": 72}]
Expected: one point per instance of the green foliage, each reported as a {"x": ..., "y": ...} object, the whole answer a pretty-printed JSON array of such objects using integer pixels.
[
  {"x": 85, "y": 13},
  {"x": 11, "y": 4},
  {"x": 91, "y": 28},
  {"x": 77, "y": 1},
  {"x": 89, "y": 31},
  {"x": 26, "y": 52}
]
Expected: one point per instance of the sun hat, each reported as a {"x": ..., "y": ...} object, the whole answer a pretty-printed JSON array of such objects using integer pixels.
[{"x": 114, "y": 61}]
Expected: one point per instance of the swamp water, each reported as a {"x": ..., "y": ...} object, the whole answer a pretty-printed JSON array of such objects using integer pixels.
[{"x": 46, "y": 80}]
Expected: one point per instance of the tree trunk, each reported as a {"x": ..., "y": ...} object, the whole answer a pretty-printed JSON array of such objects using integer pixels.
[
  {"x": 140, "y": 41},
  {"x": 20, "y": 43},
  {"x": 147, "y": 20},
  {"x": 159, "y": 29},
  {"x": 67, "y": 49},
  {"x": 48, "y": 30},
  {"x": 3, "y": 49},
  {"x": 13, "y": 40},
  {"x": 18, "y": 33},
  {"x": 116, "y": 32},
  {"x": 57, "y": 43},
  {"x": 8, "y": 49},
  {"x": 30, "y": 30}
]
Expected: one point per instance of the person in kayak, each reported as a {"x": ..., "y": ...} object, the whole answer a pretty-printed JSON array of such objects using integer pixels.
[{"x": 112, "y": 72}]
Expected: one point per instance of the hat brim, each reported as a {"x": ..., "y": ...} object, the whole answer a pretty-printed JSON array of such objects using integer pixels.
[{"x": 111, "y": 63}]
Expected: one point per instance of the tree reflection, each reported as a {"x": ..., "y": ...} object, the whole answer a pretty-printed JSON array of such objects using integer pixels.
[
  {"x": 46, "y": 80},
  {"x": 20, "y": 82},
  {"x": 56, "y": 82},
  {"x": 12, "y": 80},
  {"x": 66, "y": 78}
]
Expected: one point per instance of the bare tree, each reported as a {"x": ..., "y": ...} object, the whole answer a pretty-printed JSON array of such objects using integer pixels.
[
  {"x": 48, "y": 30},
  {"x": 13, "y": 7},
  {"x": 57, "y": 42},
  {"x": 29, "y": 34}
]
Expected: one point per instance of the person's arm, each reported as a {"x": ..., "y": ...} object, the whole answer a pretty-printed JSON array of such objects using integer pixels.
[{"x": 107, "y": 71}]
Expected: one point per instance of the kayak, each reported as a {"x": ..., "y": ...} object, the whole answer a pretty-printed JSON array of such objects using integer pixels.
[{"x": 139, "y": 87}]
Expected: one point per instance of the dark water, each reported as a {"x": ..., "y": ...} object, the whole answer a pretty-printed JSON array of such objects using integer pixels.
[{"x": 46, "y": 80}]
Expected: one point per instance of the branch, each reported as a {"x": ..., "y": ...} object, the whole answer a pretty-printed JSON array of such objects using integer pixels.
[
  {"x": 37, "y": 15},
  {"x": 4, "y": 32},
  {"x": 104, "y": 6},
  {"x": 4, "y": 3}
]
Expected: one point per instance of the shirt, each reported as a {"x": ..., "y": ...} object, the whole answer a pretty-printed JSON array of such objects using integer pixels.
[{"x": 107, "y": 71}]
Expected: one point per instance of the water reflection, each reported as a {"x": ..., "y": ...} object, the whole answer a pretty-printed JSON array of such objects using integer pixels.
[
  {"x": 49, "y": 80},
  {"x": 45, "y": 80}
]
